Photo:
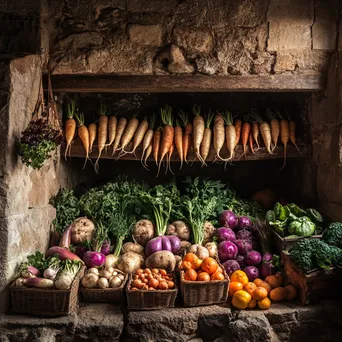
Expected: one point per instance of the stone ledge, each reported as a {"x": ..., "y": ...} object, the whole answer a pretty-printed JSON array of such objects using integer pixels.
[{"x": 105, "y": 322}]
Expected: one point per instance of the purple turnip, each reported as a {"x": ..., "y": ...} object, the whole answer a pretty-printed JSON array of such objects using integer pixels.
[
  {"x": 105, "y": 248},
  {"x": 266, "y": 269},
  {"x": 225, "y": 234},
  {"x": 243, "y": 246},
  {"x": 228, "y": 219},
  {"x": 244, "y": 234},
  {"x": 241, "y": 260},
  {"x": 244, "y": 222},
  {"x": 267, "y": 257},
  {"x": 252, "y": 272},
  {"x": 253, "y": 258},
  {"x": 94, "y": 259},
  {"x": 231, "y": 266},
  {"x": 227, "y": 250}
]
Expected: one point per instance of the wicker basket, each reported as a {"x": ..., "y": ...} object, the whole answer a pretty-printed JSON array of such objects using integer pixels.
[
  {"x": 150, "y": 300},
  {"x": 46, "y": 302},
  {"x": 113, "y": 295},
  {"x": 196, "y": 293}
]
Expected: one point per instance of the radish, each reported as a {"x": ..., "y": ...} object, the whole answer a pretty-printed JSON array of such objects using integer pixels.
[
  {"x": 62, "y": 253},
  {"x": 66, "y": 237},
  {"x": 38, "y": 282}
]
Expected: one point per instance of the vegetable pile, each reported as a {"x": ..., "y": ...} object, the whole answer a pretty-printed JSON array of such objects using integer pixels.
[
  {"x": 48, "y": 272},
  {"x": 246, "y": 294},
  {"x": 292, "y": 221},
  {"x": 103, "y": 278},
  {"x": 152, "y": 279},
  {"x": 176, "y": 133}
]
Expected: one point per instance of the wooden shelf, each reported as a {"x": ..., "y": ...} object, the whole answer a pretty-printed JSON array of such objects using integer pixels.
[
  {"x": 185, "y": 83},
  {"x": 77, "y": 150}
]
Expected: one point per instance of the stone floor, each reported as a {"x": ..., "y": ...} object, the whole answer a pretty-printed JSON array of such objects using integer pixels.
[{"x": 106, "y": 323}]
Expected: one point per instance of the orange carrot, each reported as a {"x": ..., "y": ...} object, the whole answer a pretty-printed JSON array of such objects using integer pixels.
[
  {"x": 148, "y": 137},
  {"x": 169, "y": 155},
  {"x": 230, "y": 134},
  {"x": 112, "y": 123},
  {"x": 206, "y": 142},
  {"x": 245, "y": 133},
  {"x": 83, "y": 134},
  {"x": 219, "y": 136},
  {"x": 128, "y": 135},
  {"x": 101, "y": 133},
  {"x": 275, "y": 127},
  {"x": 186, "y": 140},
  {"x": 251, "y": 145},
  {"x": 139, "y": 134},
  {"x": 119, "y": 131},
  {"x": 199, "y": 126},
  {"x": 238, "y": 126},
  {"x": 284, "y": 136},
  {"x": 156, "y": 144},
  {"x": 168, "y": 133},
  {"x": 70, "y": 126},
  {"x": 92, "y": 135},
  {"x": 255, "y": 133},
  {"x": 292, "y": 126},
  {"x": 265, "y": 130},
  {"x": 179, "y": 142}
]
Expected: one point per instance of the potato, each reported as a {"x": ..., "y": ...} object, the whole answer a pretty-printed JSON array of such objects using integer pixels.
[
  {"x": 212, "y": 248},
  {"x": 180, "y": 229},
  {"x": 130, "y": 262},
  {"x": 82, "y": 230},
  {"x": 162, "y": 260},
  {"x": 143, "y": 232},
  {"x": 209, "y": 231},
  {"x": 132, "y": 247},
  {"x": 199, "y": 250}
]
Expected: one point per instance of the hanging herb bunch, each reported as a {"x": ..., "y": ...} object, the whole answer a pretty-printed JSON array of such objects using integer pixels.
[{"x": 42, "y": 135}]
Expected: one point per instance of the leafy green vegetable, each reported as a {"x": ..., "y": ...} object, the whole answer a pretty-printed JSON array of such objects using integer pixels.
[
  {"x": 295, "y": 210},
  {"x": 333, "y": 234},
  {"x": 314, "y": 215},
  {"x": 303, "y": 226},
  {"x": 67, "y": 209},
  {"x": 38, "y": 261},
  {"x": 309, "y": 254}
]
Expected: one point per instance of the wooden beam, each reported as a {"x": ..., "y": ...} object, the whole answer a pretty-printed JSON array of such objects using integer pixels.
[
  {"x": 182, "y": 83},
  {"x": 77, "y": 150}
]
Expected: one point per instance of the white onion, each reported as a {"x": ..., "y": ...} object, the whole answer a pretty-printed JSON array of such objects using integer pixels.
[
  {"x": 103, "y": 283},
  {"x": 115, "y": 282},
  {"x": 93, "y": 270}
]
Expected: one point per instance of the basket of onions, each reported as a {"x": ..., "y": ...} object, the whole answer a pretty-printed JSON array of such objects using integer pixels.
[{"x": 103, "y": 285}]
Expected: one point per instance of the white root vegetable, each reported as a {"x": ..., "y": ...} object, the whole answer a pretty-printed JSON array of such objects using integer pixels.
[
  {"x": 111, "y": 270},
  {"x": 132, "y": 247},
  {"x": 162, "y": 260},
  {"x": 179, "y": 229},
  {"x": 143, "y": 232},
  {"x": 63, "y": 282},
  {"x": 90, "y": 280},
  {"x": 115, "y": 282},
  {"x": 94, "y": 270},
  {"x": 50, "y": 273},
  {"x": 20, "y": 282},
  {"x": 111, "y": 261},
  {"x": 212, "y": 249},
  {"x": 27, "y": 274},
  {"x": 82, "y": 230},
  {"x": 103, "y": 283},
  {"x": 130, "y": 262},
  {"x": 209, "y": 231},
  {"x": 199, "y": 250},
  {"x": 105, "y": 274}
]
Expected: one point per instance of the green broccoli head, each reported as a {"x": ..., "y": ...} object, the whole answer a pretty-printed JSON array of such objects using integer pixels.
[{"x": 333, "y": 234}]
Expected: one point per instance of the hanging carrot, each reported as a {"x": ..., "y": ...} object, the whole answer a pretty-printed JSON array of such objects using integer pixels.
[
  {"x": 112, "y": 123},
  {"x": 179, "y": 141},
  {"x": 83, "y": 134},
  {"x": 186, "y": 140},
  {"x": 119, "y": 131},
  {"x": 219, "y": 136},
  {"x": 168, "y": 133},
  {"x": 265, "y": 130},
  {"x": 292, "y": 129},
  {"x": 206, "y": 142},
  {"x": 284, "y": 136},
  {"x": 128, "y": 135},
  {"x": 238, "y": 126},
  {"x": 70, "y": 126},
  {"x": 198, "y": 125},
  {"x": 101, "y": 133},
  {"x": 156, "y": 144},
  {"x": 230, "y": 133},
  {"x": 148, "y": 153},
  {"x": 169, "y": 155},
  {"x": 245, "y": 133},
  {"x": 92, "y": 128},
  {"x": 274, "y": 125},
  {"x": 148, "y": 136},
  {"x": 251, "y": 144},
  {"x": 139, "y": 134}
]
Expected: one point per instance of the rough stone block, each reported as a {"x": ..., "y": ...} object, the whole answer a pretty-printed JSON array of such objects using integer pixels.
[
  {"x": 193, "y": 40},
  {"x": 291, "y": 11},
  {"x": 146, "y": 34},
  {"x": 158, "y": 6},
  {"x": 288, "y": 36},
  {"x": 324, "y": 35}
]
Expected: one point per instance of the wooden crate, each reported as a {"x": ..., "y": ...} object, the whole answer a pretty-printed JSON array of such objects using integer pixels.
[
  {"x": 285, "y": 243},
  {"x": 314, "y": 285}
]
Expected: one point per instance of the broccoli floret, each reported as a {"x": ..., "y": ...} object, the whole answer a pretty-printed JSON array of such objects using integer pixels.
[{"x": 333, "y": 234}]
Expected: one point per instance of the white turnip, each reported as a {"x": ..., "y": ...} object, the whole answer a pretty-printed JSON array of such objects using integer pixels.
[
  {"x": 63, "y": 282},
  {"x": 212, "y": 249},
  {"x": 209, "y": 231},
  {"x": 115, "y": 281},
  {"x": 50, "y": 273},
  {"x": 103, "y": 283},
  {"x": 179, "y": 229},
  {"x": 90, "y": 280},
  {"x": 105, "y": 274},
  {"x": 94, "y": 270},
  {"x": 132, "y": 247},
  {"x": 111, "y": 261},
  {"x": 82, "y": 230},
  {"x": 199, "y": 250},
  {"x": 143, "y": 232},
  {"x": 130, "y": 262}
]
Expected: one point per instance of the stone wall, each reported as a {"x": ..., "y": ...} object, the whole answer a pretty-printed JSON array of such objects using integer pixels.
[
  {"x": 224, "y": 37},
  {"x": 25, "y": 213}
]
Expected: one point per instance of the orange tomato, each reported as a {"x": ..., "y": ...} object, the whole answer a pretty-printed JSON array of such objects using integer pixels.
[
  {"x": 264, "y": 304},
  {"x": 252, "y": 304},
  {"x": 241, "y": 299},
  {"x": 217, "y": 276},
  {"x": 192, "y": 258},
  {"x": 190, "y": 275},
  {"x": 203, "y": 276},
  {"x": 186, "y": 265},
  {"x": 259, "y": 293},
  {"x": 219, "y": 269},
  {"x": 209, "y": 265},
  {"x": 250, "y": 287},
  {"x": 266, "y": 286},
  {"x": 240, "y": 277},
  {"x": 257, "y": 281},
  {"x": 233, "y": 287},
  {"x": 196, "y": 264}
]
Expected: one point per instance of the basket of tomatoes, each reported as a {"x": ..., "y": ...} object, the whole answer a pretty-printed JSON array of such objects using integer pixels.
[
  {"x": 202, "y": 282},
  {"x": 151, "y": 289}
]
